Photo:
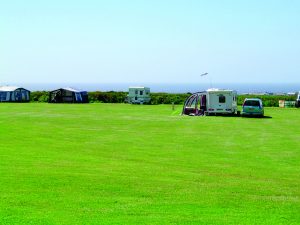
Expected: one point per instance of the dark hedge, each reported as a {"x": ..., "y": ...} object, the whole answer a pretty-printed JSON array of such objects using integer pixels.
[{"x": 159, "y": 98}]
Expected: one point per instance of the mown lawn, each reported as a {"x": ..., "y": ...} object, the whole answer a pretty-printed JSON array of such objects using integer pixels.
[{"x": 124, "y": 164}]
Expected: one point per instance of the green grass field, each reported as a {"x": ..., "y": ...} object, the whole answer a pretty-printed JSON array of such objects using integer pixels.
[{"x": 126, "y": 164}]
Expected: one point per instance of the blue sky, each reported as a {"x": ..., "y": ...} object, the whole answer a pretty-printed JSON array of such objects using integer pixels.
[{"x": 156, "y": 41}]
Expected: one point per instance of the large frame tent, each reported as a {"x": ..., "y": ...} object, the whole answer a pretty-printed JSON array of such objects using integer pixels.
[
  {"x": 68, "y": 95},
  {"x": 14, "y": 94}
]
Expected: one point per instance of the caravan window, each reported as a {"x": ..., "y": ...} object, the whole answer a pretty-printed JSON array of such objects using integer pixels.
[{"x": 222, "y": 99}]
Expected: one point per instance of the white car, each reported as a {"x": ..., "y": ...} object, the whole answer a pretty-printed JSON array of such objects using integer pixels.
[{"x": 298, "y": 100}]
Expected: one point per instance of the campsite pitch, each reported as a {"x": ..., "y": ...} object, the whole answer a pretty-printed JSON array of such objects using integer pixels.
[{"x": 132, "y": 164}]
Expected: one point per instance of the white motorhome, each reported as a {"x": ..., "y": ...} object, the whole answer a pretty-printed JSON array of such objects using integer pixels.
[
  {"x": 138, "y": 95},
  {"x": 211, "y": 102}
]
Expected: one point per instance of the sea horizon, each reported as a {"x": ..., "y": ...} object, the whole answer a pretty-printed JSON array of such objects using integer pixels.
[{"x": 165, "y": 87}]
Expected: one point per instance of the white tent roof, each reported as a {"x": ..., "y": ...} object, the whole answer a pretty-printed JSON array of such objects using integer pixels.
[
  {"x": 72, "y": 89},
  {"x": 69, "y": 89},
  {"x": 139, "y": 87},
  {"x": 8, "y": 88}
]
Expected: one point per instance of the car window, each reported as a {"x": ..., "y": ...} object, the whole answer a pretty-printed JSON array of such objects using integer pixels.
[{"x": 251, "y": 103}]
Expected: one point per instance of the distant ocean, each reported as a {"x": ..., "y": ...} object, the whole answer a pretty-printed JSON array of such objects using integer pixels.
[{"x": 170, "y": 88}]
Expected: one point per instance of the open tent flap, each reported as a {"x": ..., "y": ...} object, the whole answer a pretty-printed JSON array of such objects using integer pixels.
[
  {"x": 78, "y": 97},
  {"x": 25, "y": 95}
]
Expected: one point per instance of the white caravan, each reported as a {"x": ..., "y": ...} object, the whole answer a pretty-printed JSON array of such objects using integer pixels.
[{"x": 211, "y": 102}]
